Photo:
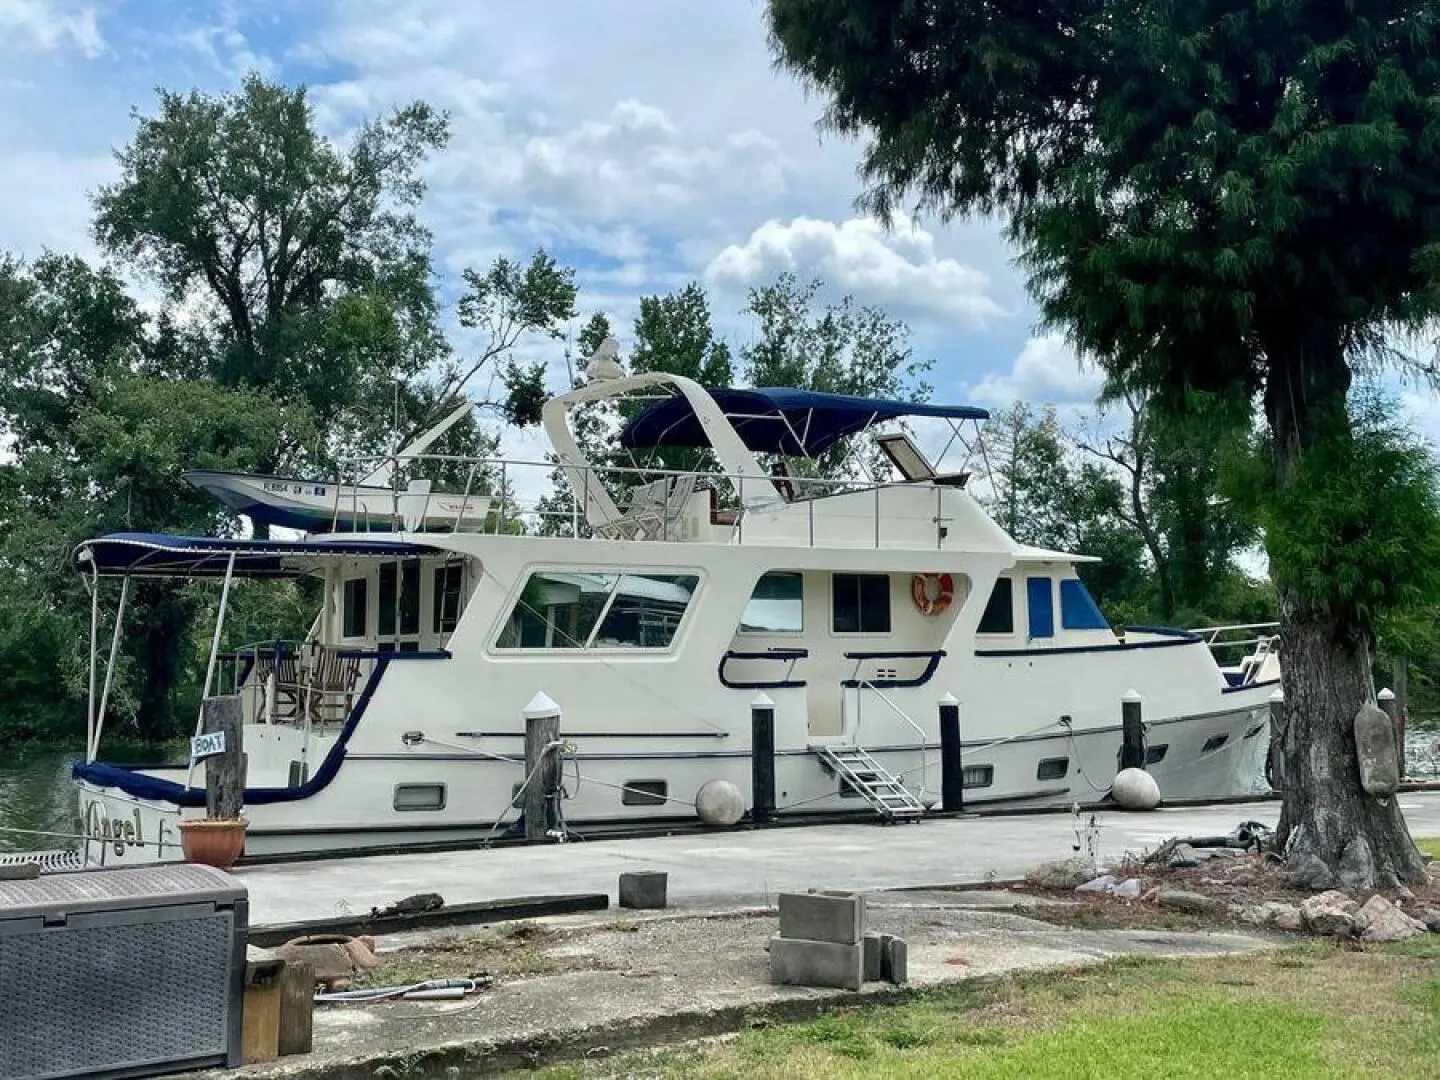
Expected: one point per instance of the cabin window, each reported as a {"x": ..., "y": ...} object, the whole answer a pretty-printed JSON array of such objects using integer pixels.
[
  {"x": 1156, "y": 754},
  {"x": 860, "y": 603},
  {"x": 999, "y": 615},
  {"x": 578, "y": 609},
  {"x": 1054, "y": 768},
  {"x": 1215, "y": 742},
  {"x": 448, "y": 580},
  {"x": 777, "y": 606},
  {"x": 644, "y": 793},
  {"x": 356, "y": 607},
  {"x": 1078, "y": 610},
  {"x": 977, "y": 776},
  {"x": 419, "y": 797},
  {"x": 409, "y": 602},
  {"x": 1040, "y": 599}
]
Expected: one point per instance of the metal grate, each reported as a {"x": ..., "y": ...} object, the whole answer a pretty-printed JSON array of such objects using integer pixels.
[{"x": 49, "y": 861}]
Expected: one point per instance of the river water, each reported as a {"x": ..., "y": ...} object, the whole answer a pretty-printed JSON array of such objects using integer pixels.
[{"x": 38, "y": 807}]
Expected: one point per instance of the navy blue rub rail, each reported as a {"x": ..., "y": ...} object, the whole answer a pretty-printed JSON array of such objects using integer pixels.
[
  {"x": 153, "y": 788},
  {"x": 932, "y": 658},
  {"x": 1172, "y": 638},
  {"x": 787, "y": 655}
]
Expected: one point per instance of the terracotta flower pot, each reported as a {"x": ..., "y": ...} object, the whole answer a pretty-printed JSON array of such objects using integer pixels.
[{"x": 213, "y": 843}]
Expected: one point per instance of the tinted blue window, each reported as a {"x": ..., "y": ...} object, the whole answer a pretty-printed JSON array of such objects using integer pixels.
[
  {"x": 1041, "y": 602},
  {"x": 1077, "y": 607}
]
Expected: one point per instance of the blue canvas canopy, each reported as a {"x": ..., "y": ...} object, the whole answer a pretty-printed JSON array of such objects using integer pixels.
[
  {"x": 158, "y": 555},
  {"x": 778, "y": 420}
]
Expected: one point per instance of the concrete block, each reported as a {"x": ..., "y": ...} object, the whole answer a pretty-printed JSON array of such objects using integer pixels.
[
  {"x": 895, "y": 964},
  {"x": 643, "y": 889},
  {"x": 817, "y": 917},
  {"x": 816, "y": 963},
  {"x": 874, "y": 956}
]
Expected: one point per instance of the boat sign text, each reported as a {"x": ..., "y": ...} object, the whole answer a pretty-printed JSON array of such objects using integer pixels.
[{"x": 204, "y": 746}]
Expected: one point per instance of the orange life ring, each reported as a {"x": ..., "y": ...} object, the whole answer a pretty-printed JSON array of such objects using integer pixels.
[{"x": 932, "y": 593}]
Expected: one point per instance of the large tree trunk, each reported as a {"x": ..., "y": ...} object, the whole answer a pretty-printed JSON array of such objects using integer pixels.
[{"x": 1331, "y": 831}]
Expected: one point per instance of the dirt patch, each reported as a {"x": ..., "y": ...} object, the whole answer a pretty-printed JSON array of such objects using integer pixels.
[{"x": 524, "y": 948}]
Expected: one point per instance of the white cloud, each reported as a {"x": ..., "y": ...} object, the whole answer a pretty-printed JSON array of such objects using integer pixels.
[
  {"x": 1047, "y": 371},
  {"x": 46, "y": 24},
  {"x": 45, "y": 200},
  {"x": 225, "y": 47},
  {"x": 897, "y": 269}
]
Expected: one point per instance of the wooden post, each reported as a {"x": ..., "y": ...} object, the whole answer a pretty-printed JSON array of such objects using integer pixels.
[
  {"x": 542, "y": 765},
  {"x": 225, "y": 772},
  {"x": 297, "y": 1008},
  {"x": 762, "y": 759},
  {"x": 1402, "y": 703},
  {"x": 1389, "y": 702},
  {"x": 952, "y": 766},
  {"x": 1132, "y": 731}
]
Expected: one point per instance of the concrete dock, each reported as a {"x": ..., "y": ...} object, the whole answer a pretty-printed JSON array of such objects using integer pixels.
[{"x": 748, "y": 867}]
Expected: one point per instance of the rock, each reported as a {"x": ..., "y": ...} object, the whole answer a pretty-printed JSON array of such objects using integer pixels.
[
  {"x": 1102, "y": 884},
  {"x": 1403, "y": 893},
  {"x": 1150, "y": 894},
  {"x": 1380, "y": 920},
  {"x": 1271, "y": 913},
  {"x": 1309, "y": 872},
  {"x": 1329, "y": 913},
  {"x": 1183, "y": 857},
  {"x": 1430, "y": 916},
  {"x": 1129, "y": 889},
  {"x": 1135, "y": 789},
  {"x": 1188, "y": 901},
  {"x": 1062, "y": 875}
]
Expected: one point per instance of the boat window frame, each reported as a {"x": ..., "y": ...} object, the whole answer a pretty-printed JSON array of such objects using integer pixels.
[
  {"x": 889, "y": 579},
  {"x": 980, "y": 631},
  {"x": 798, "y": 632},
  {"x": 590, "y": 648}
]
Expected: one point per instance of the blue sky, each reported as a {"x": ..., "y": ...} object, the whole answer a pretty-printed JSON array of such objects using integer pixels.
[{"x": 648, "y": 143}]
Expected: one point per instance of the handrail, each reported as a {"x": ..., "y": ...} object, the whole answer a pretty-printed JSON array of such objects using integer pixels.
[
  {"x": 935, "y": 656},
  {"x": 903, "y": 715},
  {"x": 788, "y": 656}
]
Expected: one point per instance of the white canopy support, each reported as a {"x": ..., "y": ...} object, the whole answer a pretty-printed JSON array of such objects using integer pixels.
[
  {"x": 94, "y": 647},
  {"x": 92, "y": 748}
]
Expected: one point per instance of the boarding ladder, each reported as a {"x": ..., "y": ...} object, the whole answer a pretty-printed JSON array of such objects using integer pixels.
[{"x": 891, "y": 799}]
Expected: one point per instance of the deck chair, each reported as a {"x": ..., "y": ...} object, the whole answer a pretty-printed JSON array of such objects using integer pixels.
[{"x": 330, "y": 684}]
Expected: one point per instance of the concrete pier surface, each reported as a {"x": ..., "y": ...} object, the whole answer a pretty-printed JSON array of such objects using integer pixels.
[{"x": 749, "y": 867}]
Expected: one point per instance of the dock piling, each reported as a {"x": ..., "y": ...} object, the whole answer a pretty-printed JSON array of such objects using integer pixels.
[
  {"x": 1132, "y": 731},
  {"x": 542, "y": 764},
  {"x": 762, "y": 759},
  {"x": 225, "y": 772},
  {"x": 952, "y": 766}
]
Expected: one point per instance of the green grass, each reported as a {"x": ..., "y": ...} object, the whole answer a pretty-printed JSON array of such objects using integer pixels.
[
  {"x": 1430, "y": 846},
  {"x": 1316, "y": 1010}
]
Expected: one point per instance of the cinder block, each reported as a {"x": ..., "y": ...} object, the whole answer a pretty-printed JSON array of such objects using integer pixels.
[
  {"x": 643, "y": 889},
  {"x": 816, "y": 963},
  {"x": 874, "y": 956},
  {"x": 816, "y": 917},
  {"x": 896, "y": 963}
]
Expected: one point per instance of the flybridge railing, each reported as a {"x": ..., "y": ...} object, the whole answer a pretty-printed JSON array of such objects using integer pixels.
[
  {"x": 1239, "y": 640},
  {"x": 506, "y": 495}
]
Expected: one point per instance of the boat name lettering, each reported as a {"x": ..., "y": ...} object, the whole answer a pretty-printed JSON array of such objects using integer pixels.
[{"x": 121, "y": 832}]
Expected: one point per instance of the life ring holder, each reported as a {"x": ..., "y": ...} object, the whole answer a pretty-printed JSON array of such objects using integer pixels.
[{"x": 932, "y": 593}]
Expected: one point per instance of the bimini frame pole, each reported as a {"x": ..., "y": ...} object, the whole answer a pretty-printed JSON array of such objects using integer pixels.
[
  {"x": 214, "y": 652},
  {"x": 93, "y": 749},
  {"x": 94, "y": 647}
]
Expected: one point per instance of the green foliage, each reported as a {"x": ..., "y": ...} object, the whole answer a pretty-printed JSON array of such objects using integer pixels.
[
  {"x": 1354, "y": 532},
  {"x": 315, "y": 275}
]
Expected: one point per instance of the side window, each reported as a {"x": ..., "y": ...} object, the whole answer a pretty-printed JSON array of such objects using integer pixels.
[
  {"x": 860, "y": 603},
  {"x": 1040, "y": 599},
  {"x": 448, "y": 580},
  {"x": 356, "y": 597},
  {"x": 776, "y": 606},
  {"x": 1078, "y": 610},
  {"x": 572, "y": 609},
  {"x": 999, "y": 616}
]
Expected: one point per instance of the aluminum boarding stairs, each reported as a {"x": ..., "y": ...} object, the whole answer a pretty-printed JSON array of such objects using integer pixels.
[{"x": 891, "y": 799}]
